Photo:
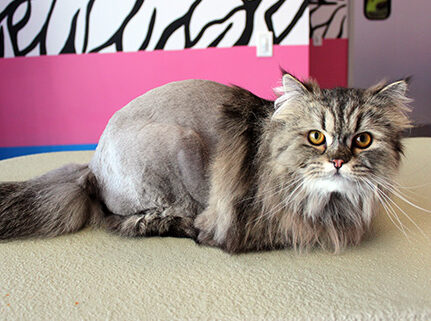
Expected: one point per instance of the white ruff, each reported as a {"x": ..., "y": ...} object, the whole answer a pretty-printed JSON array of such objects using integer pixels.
[
  {"x": 319, "y": 193},
  {"x": 328, "y": 185}
]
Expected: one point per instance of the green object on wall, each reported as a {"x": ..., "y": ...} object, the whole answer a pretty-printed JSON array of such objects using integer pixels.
[{"x": 377, "y": 9}]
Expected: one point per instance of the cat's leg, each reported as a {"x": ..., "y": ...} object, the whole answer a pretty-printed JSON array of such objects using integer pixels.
[{"x": 152, "y": 222}]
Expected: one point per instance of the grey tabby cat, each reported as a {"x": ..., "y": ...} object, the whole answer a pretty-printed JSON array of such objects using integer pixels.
[{"x": 218, "y": 164}]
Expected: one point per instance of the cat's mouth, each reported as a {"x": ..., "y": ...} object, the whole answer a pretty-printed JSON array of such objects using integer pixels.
[
  {"x": 342, "y": 178},
  {"x": 338, "y": 174}
]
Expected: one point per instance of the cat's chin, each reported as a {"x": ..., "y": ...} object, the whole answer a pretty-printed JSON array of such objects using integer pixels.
[{"x": 330, "y": 184}]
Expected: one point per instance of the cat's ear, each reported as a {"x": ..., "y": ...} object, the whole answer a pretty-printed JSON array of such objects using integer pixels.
[
  {"x": 393, "y": 97},
  {"x": 395, "y": 90},
  {"x": 291, "y": 83},
  {"x": 292, "y": 89}
]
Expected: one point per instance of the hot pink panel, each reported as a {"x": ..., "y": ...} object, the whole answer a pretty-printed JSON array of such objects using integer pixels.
[
  {"x": 68, "y": 99},
  {"x": 329, "y": 63}
]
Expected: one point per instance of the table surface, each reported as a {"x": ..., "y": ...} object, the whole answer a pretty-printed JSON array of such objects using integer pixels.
[{"x": 92, "y": 275}]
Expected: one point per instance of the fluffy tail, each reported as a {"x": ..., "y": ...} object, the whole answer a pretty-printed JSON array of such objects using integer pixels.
[{"x": 61, "y": 201}]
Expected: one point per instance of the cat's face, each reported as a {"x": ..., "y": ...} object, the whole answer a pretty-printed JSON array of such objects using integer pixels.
[{"x": 339, "y": 140}]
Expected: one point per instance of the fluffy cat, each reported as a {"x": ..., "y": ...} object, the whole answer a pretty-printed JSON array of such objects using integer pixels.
[{"x": 218, "y": 164}]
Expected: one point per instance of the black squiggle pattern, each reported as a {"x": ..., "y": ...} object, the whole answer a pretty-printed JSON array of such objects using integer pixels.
[
  {"x": 220, "y": 37},
  {"x": 69, "y": 46},
  {"x": 11, "y": 28},
  {"x": 268, "y": 19},
  {"x": 87, "y": 24},
  {"x": 150, "y": 31},
  {"x": 249, "y": 7},
  {"x": 1, "y": 42},
  {"x": 340, "y": 32},
  {"x": 39, "y": 40},
  {"x": 117, "y": 38},
  {"x": 249, "y": 22},
  {"x": 336, "y": 7}
]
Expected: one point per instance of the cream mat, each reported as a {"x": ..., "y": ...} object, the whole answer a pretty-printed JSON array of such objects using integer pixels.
[{"x": 92, "y": 275}]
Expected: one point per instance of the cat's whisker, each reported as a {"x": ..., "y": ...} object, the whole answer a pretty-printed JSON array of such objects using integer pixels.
[
  {"x": 385, "y": 183},
  {"x": 391, "y": 186},
  {"x": 387, "y": 207},
  {"x": 268, "y": 214},
  {"x": 414, "y": 186},
  {"x": 407, "y": 216},
  {"x": 294, "y": 194},
  {"x": 257, "y": 198},
  {"x": 270, "y": 192},
  {"x": 282, "y": 205},
  {"x": 408, "y": 198},
  {"x": 410, "y": 219},
  {"x": 398, "y": 184},
  {"x": 283, "y": 188},
  {"x": 403, "y": 197},
  {"x": 280, "y": 191}
]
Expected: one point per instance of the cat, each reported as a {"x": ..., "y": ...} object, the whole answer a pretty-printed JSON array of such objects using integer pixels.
[{"x": 220, "y": 165}]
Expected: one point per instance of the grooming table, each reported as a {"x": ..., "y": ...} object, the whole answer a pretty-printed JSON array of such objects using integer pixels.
[{"x": 93, "y": 275}]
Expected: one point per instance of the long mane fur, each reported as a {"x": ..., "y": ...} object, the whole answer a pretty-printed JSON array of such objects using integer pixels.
[{"x": 253, "y": 199}]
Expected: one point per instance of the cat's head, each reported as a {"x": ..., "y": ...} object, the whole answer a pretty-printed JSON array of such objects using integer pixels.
[{"x": 338, "y": 143}]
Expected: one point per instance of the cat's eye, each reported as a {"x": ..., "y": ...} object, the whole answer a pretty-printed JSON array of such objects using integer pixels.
[
  {"x": 362, "y": 140},
  {"x": 316, "y": 138}
]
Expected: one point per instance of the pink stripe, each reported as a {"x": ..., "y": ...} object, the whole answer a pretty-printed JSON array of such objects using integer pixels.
[
  {"x": 68, "y": 99},
  {"x": 329, "y": 63}
]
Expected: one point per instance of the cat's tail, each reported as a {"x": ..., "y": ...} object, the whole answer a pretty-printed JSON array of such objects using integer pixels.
[{"x": 61, "y": 201}]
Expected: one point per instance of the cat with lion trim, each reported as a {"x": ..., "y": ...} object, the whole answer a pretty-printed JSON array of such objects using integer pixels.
[{"x": 218, "y": 164}]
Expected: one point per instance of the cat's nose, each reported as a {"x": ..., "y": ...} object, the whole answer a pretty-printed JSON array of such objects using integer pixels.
[{"x": 337, "y": 163}]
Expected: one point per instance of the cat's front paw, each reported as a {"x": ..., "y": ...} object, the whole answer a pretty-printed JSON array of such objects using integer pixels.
[
  {"x": 206, "y": 224},
  {"x": 205, "y": 238}
]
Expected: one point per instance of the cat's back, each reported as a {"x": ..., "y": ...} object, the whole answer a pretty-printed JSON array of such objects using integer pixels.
[{"x": 189, "y": 103}]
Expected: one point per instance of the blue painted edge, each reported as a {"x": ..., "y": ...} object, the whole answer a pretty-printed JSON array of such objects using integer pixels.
[{"x": 9, "y": 152}]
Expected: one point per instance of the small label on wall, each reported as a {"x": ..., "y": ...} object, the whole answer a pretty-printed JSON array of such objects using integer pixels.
[{"x": 264, "y": 44}]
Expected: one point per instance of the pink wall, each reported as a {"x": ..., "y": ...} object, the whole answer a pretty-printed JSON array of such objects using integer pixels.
[
  {"x": 329, "y": 62},
  {"x": 68, "y": 99}
]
